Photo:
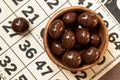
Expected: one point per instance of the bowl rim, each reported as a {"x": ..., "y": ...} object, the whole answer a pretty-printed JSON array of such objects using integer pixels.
[{"x": 68, "y": 9}]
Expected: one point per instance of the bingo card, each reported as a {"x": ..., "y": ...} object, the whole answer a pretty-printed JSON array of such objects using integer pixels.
[{"x": 23, "y": 57}]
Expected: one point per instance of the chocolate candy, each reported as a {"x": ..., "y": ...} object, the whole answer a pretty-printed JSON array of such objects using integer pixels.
[
  {"x": 69, "y": 18},
  {"x": 73, "y": 39},
  {"x": 90, "y": 55},
  {"x": 72, "y": 59},
  {"x": 57, "y": 49},
  {"x": 56, "y": 29},
  {"x": 82, "y": 36},
  {"x": 20, "y": 25},
  {"x": 68, "y": 39},
  {"x": 88, "y": 19},
  {"x": 94, "y": 40}
]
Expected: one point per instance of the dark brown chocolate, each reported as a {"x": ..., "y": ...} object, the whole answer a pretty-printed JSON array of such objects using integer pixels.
[
  {"x": 20, "y": 25},
  {"x": 90, "y": 55},
  {"x": 94, "y": 40},
  {"x": 82, "y": 36},
  {"x": 88, "y": 20},
  {"x": 57, "y": 49},
  {"x": 72, "y": 59},
  {"x": 69, "y": 18},
  {"x": 56, "y": 29},
  {"x": 68, "y": 39}
]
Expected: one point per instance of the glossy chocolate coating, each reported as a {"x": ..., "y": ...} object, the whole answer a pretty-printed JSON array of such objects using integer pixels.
[
  {"x": 72, "y": 59},
  {"x": 88, "y": 20},
  {"x": 57, "y": 48},
  {"x": 69, "y": 18},
  {"x": 68, "y": 39},
  {"x": 94, "y": 40},
  {"x": 90, "y": 55},
  {"x": 56, "y": 29},
  {"x": 20, "y": 25},
  {"x": 82, "y": 36}
]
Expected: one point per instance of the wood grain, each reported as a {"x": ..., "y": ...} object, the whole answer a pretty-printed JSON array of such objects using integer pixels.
[{"x": 113, "y": 74}]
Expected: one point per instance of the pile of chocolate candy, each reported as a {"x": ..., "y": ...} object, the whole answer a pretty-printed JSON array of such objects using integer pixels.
[{"x": 73, "y": 38}]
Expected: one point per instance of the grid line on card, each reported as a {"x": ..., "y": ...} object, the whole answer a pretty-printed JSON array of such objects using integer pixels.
[
  {"x": 6, "y": 18},
  {"x": 35, "y": 59},
  {"x": 110, "y": 14},
  {"x": 18, "y": 40},
  {"x": 58, "y": 8},
  {"x": 17, "y": 73},
  {"x": 17, "y": 9},
  {"x": 38, "y": 24},
  {"x": 31, "y": 73},
  {"x": 36, "y": 40},
  {"x": 52, "y": 12},
  {"x": 69, "y": 2},
  {"x": 42, "y": 8},
  {"x": 25, "y": 66},
  {"x": 7, "y": 45},
  {"x": 97, "y": 8},
  {"x": 54, "y": 74},
  {"x": 46, "y": 14},
  {"x": 10, "y": 47},
  {"x": 112, "y": 27},
  {"x": 107, "y": 65},
  {"x": 15, "y": 55},
  {"x": 22, "y": 63},
  {"x": 111, "y": 54},
  {"x": 64, "y": 74},
  {"x": 9, "y": 7},
  {"x": 93, "y": 70}
]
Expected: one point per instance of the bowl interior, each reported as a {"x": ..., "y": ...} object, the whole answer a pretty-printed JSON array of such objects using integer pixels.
[{"x": 101, "y": 31}]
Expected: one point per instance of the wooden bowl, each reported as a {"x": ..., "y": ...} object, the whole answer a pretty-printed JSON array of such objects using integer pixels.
[{"x": 103, "y": 33}]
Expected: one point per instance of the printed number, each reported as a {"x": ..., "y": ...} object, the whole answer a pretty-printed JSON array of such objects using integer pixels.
[
  {"x": 0, "y": 48},
  {"x": 106, "y": 22},
  {"x": 51, "y": 4},
  {"x": 4, "y": 64},
  {"x": 29, "y": 52},
  {"x": 16, "y": 1},
  {"x": 112, "y": 39},
  {"x": 83, "y": 75},
  {"x": 42, "y": 32},
  {"x": 0, "y": 10},
  {"x": 30, "y": 11},
  {"x": 89, "y": 5},
  {"x": 8, "y": 28},
  {"x": 8, "y": 70},
  {"x": 25, "y": 46},
  {"x": 118, "y": 4},
  {"x": 113, "y": 36},
  {"x": 40, "y": 65},
  {"x": 103, "y": 61},
  {"x": 22, "y": 77},
  {"x": 81, "y": 2},
  {"x": 104, "y": 1}
]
